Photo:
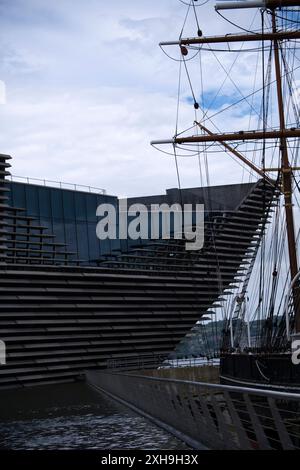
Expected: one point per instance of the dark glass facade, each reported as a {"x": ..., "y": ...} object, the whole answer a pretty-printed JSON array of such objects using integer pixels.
[{"x": 69, "y": 215}]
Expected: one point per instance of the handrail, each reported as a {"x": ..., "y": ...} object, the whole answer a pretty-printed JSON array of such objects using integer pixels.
[
  {"x": 61, "y": 184},
  {"x": 228, "y": 388},
  {"x": 213, "y": 415}
]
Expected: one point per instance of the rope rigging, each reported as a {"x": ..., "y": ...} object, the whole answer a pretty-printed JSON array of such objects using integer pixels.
[{"x": 267, "y": 274}]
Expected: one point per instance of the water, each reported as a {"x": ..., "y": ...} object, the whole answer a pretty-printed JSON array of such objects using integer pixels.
[{"x": 73, "y": 416}]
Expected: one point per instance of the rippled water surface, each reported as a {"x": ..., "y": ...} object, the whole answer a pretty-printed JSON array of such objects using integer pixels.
[{"x": 74, "y": 416}]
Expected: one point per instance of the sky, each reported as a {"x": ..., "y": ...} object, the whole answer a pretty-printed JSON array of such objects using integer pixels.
[{"x": 87, "y": 88}]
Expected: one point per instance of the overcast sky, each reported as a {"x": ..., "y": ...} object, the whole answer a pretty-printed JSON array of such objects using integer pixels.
[{"x": 87, "y": 89}]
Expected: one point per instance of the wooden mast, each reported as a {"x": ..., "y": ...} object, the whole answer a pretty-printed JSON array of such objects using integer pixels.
[
  {"x": 229, "y": 38},
  {"x": 256, "y": 4},
  {"x": 287, "y": 186},
  {"x": 240, "y": 135}
]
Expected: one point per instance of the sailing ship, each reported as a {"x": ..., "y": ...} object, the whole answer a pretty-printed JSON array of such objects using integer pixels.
[{"x": 261, "y": 315}]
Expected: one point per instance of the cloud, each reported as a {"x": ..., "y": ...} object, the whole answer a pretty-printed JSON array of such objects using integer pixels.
[
  {"x": 87, "y": 88},
  {"x": 2, "y": 92}
]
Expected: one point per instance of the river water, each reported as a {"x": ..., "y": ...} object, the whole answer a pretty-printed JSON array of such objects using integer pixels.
[{"x": 74, "y": 416}]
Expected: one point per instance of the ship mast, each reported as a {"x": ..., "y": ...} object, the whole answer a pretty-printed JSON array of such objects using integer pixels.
[
  {"x": 283, "y": 133},
  {"x": 286, "y": 170},
  {"x": 287, "y": 187}
]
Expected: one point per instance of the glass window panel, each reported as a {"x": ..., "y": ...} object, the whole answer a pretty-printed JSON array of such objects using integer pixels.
[
  {"x": 32, "y": 201},
  {"x": 18, "y": 195},
  {"x": 68, "y": 205},
  {"x": 92, "y": 203},
  {"x": 82, "y": 238},
  {"x": 57, "y": 204},
  {"x": 71, "y": 236},
  {"x": 105, "y": 247},
  {"x": 94, "y": 243},
  {"x": 44, "y": 202},
  {"x": 80, "y": 206}
]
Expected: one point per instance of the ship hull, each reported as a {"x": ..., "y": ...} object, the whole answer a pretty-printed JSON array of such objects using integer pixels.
[{"x": 266, "y": 371}]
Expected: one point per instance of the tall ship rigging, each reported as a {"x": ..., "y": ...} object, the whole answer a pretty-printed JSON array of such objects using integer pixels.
[{"x": 260, "y": 315}]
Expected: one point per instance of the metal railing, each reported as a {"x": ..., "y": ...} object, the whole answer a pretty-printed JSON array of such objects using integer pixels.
[
  {"x": 56, "y": 184},
  {"x": 157, "y": 361},
  {"x": 150, "y": 361},
  {"x": 211, "y": 415}
]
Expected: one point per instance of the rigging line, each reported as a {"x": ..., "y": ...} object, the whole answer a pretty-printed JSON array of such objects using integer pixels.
[
  {"x": 263, "y": 164},
  {"x": 259, "y": 309},
  {"x": 192, "y": 1},
  {"x": 205, "y": 145},
  {"x": 178, "y": 98},
  {"x": 177, "y": 172},
  {"x": 186, "y": 130},
  {"x": 296, "y": 110},
  {"x": 289, "y": 81},
  {"x": 172, "y": 154},
  {"x": 189, "y": 80},
  {"x": 297, "y": 58},
  {"x": 267, "y": 84},
  {"x": 274, "y": 249},
  {"x": 290, "y": 20},
  {"x": 179, "y": 60},
  {"x": 264, "y": 100},
  {"x": 263, "y": 92},
  {"x": 199, "y": 163},
  {"x": 227, "y": 74},
  {"x": 270, "y": 260},
  {"x": 255, "y": 280},
  {"x": 252, "y": 49},
  {"x": 274, "y": 145},
  {"x": 270, "y": 295},
  {"x": 282, "y": 254},
  {"x": 247, "y": 96},
  {"x": 250, "y": 117},
  {"x": 293, "y": 61},
  {"x": 234, "y": 84},
  {"x": 196, "y": 17},
  {"x": 191, "y": 146},
  {"x": 253, "y": 289},
  {"x": 194, "y": 48},
  {"x": 296, "y": 182},
  {"x": 207, "y": 189},
  {"x": 220, "y": 284},
  {"x": 203, "y": 104},
  {"x": 192, "y": 150},
  {"x": 185, "y": 20},
  {"x": 236, "y": 160},
  {"x": 208, "y": 199},
  {"x": 256, "y": 31},
  {"x": 223, "y": 83}
]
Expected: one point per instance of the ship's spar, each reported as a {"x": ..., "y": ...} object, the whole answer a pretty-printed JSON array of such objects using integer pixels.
[{"x": 282, "y": 133}]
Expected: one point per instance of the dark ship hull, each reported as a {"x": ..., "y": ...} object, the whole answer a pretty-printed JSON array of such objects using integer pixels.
[{"x": 266, "y": 371}]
